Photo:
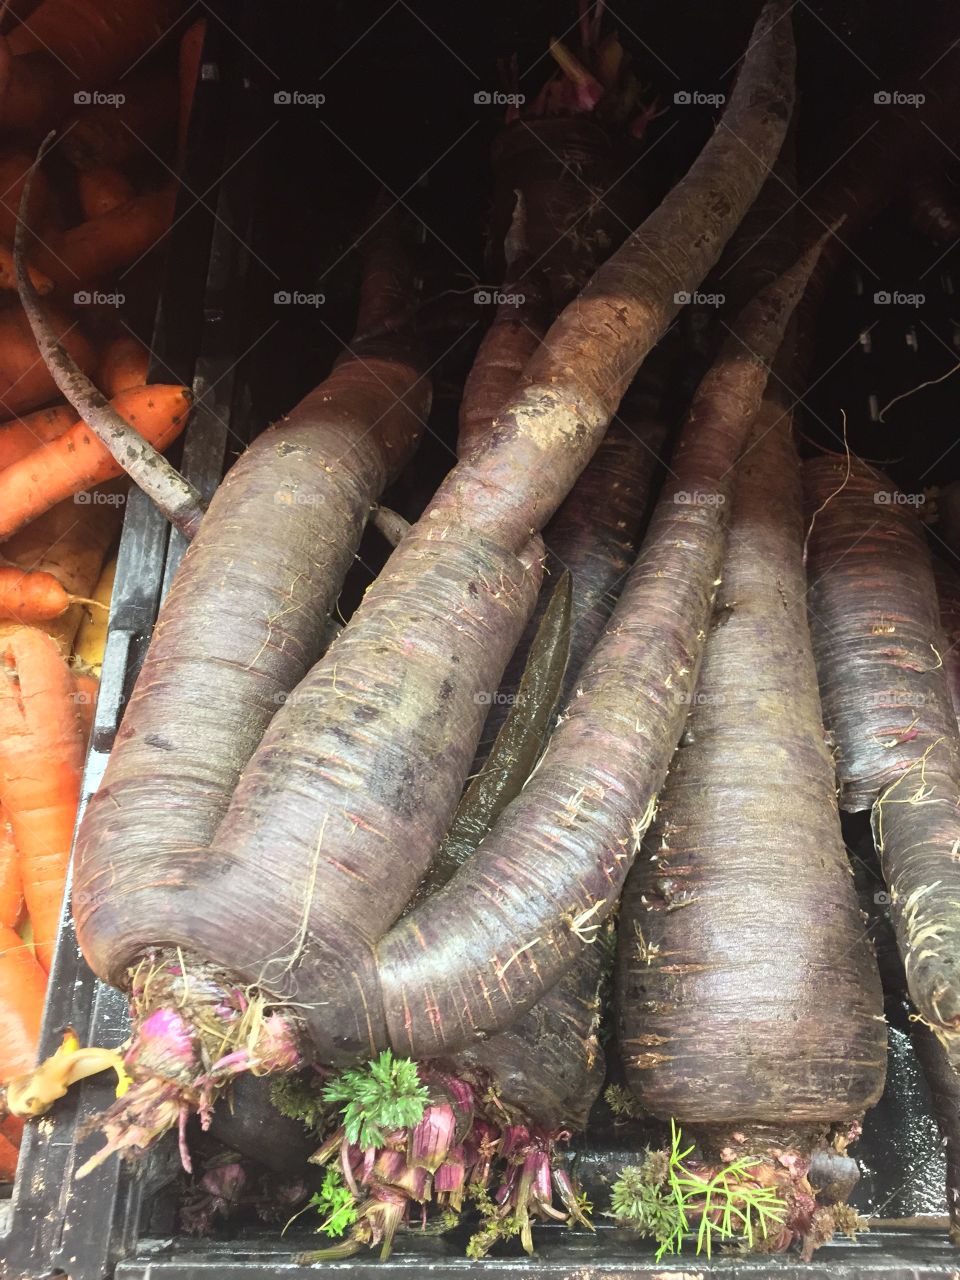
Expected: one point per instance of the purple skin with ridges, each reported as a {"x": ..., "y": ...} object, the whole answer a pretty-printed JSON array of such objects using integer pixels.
[
  {"x": 537, "y": 449},
  {"x": 552, "y": 867},
  {"x": 746, "y": 853},
  {"x": 878, "y": 642},
  {"x": 244, "y": 620},
  {"x": 344, "y": 801},
  {"x": 312, "y": 939},
  {"x": 948, "y": 594}
]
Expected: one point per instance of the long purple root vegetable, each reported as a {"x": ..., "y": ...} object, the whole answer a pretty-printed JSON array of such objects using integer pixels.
[
  {"x": 245, "y": 618},
  {"x": 170, "y": 1044},
  {"x": 942, "y": 1081},
  {"x": 552, "y": 868},
  {"x": 503, "y": 489},
  {"x": 749, "y": 1001},
  {"x": 879, "y": 647},
  {"x": 593, "y": 534},
  {"x": 594, "y": 538},
  {"x": 948, "y": 594},
  {"x": 538, "y": 889},
  {"x": 342, "y": 805}
]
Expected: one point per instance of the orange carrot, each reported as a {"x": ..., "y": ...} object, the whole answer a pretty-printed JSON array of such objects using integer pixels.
[
  {"x": 32, "y": 596},
  {"x": 41, "y": 758},
  {"x": 78, "y": 461},
  {"x": 21, "y": 436},
  {"x": 11, "y": 1127},
  {"x": 98, "y": 40},
  {"x": 71, "y": 541},
  {"x": 114, "y": 134},
  {"x": 35, "y": 90},
  {"x": 11, "y": 885},
  {"x": 87, "y": 689},
  {"x": 8, "y": 1159},
  {"x": 71, "y": 45},
  {"x": 116, "y": 239},
  {"x": 8, "y": 275},
  {"x": 25, "y": 381},
  {"x": 102, "y": 188},
  {"x": 14, "y": 166},
  {"x": 22, "y": 988},
  {"x": 191, "y": 54},
  {"x": 124, "y": 365}
]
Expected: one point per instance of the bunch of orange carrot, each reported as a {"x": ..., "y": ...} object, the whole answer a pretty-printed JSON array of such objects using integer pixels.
[{"x": 103, "y": 204}]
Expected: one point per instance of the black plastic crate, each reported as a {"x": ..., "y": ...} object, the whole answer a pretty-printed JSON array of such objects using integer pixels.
[{"x": 211, "y": 333}]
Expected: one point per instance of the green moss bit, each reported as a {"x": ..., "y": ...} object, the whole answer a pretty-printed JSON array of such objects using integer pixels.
[
  {"x": 622, "y": 1103},
  {"x": 447, "y": 1221},
  {"x": 385, "y": 1095},
  {"x": 664, "y": 1199},
  {"x": 298, "y": 1098},
  {"x": 493, "y": 1225},
  {"x": 848, "y": 1221}
]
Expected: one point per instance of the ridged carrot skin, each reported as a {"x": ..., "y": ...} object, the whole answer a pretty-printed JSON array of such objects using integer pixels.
[
  {"x": 41, "y": 758},
  {"x": 875, "y": 621},
  {"x": 11, "y": 884},
  {"x": 247, "y": 614},
  {"x": 25, "y": 381},
  {"x": 124, "y": 365},
  {"x": 511, "y": 943},
  {"x": 21, "y": 436},
  {"x": 357, "y": 775},
  {"x": 593, "y": 793},
  {"x": 77, "y": 460},
  {"x": 23, "y": 985},
  {"x": 746, "y": 850}
]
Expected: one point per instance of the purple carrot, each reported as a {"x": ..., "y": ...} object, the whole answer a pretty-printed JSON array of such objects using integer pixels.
[{"x": 879, "y": 647}]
